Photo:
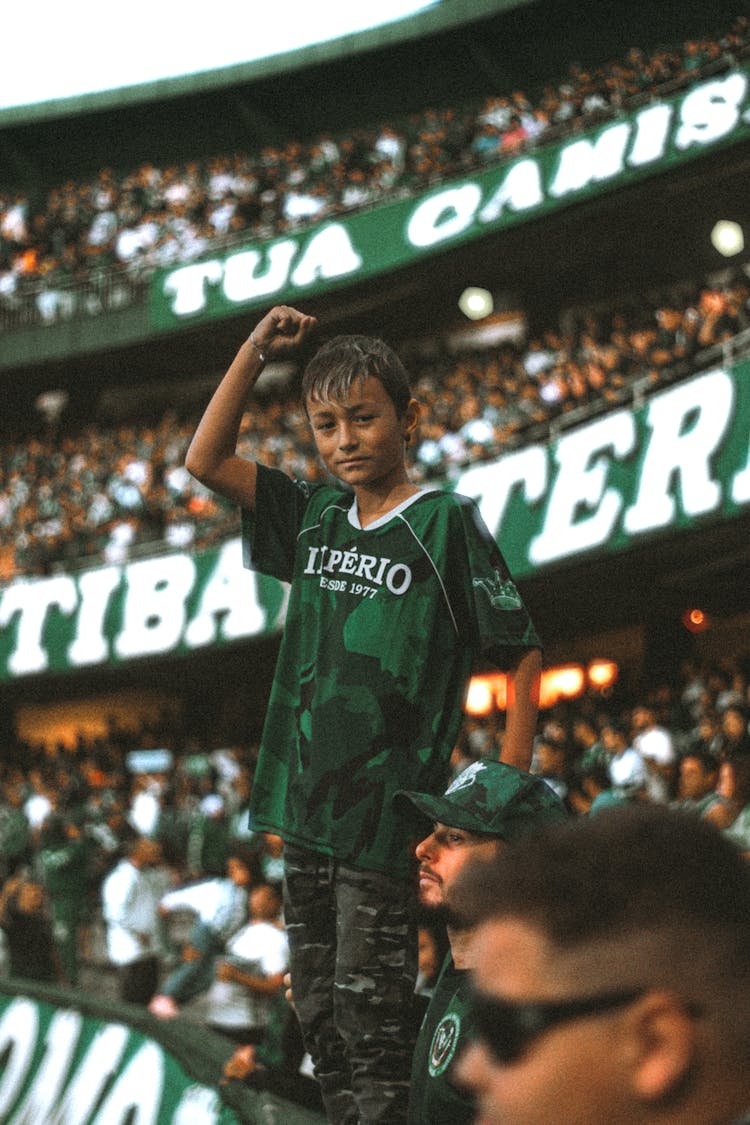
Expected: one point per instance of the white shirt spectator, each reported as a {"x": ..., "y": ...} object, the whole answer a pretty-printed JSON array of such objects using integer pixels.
[
  {"x": 37, "y": 808},
  {"x": 302, "y": 205},
  {"x": 130, "y": 905},
  {"x": 218, "y": 903},
  {"x": 628, "y": 771},
  {"x": 259, "y": 949}
]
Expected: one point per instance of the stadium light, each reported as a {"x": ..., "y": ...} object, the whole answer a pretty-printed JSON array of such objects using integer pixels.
[
  {"x": 488, "y": 692},
  {"x": 475, "y": 303},
  {"x": 602, "y": 674},
  {"x": 727, "y": 237},
  {"x": 696, "y": 620},
  {"x": 480, "y": 698}
]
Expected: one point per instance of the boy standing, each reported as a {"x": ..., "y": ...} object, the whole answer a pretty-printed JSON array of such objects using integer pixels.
[{"x": 395, "y": 592}]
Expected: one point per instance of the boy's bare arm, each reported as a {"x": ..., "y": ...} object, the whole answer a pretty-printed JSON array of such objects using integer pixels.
[
  {"x": 212, "y": 458},
  {"x": 522, "y": 709}
]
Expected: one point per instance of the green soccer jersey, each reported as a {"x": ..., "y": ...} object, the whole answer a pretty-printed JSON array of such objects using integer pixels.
[
  {"x": 434, "y": 1099},
  {"x": 382, "y": 628}
]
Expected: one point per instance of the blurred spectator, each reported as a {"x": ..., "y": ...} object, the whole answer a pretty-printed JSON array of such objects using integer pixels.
[
  {"x": 596, "y": 789},
  {"x": 220, "y": 907},
  {"x": 15, "y": 831},
  {"x": 698, "y": 775},
  {"x": 734, "y": 738},
  {"x": 209, "y": 839},
  {"x": 27, "y": 927},
  {"x": 655, "y": 746},
  {"x": 733, "y": 815},
  {"x": 64, "y": 857},
  {"x": 627, "y": 770},
  {"x": 131, "y": 894},
  {"x": 250, "y": 973}
]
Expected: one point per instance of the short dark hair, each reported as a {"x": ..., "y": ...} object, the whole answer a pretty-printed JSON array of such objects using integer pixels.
[
  {"x": 626, "y": 869},
  {"x": 344, "y": 360},
  {"x": 707, "y": 762},
  {"x": 739, "y": 764},
  {"x": 645, "y": 892},
  {"x": 249, "y": 855}
]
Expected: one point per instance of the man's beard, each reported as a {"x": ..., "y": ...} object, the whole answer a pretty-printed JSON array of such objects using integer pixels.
[{"x": 445, "y": 915}]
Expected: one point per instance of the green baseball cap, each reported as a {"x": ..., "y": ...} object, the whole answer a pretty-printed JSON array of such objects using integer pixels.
[{"x": 492, "y": 798}]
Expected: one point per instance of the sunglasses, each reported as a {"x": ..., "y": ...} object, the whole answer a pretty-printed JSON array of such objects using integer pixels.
[{"x": 508, "y": 1029}]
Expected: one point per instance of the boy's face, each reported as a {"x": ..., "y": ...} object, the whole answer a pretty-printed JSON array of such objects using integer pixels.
[{"x": 361, "y": 438}]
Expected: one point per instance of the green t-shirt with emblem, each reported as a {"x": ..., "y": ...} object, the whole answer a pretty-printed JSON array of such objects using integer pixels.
[
  {"x": 433, "y": 1097},
  {"x": 382, "y": 629}
]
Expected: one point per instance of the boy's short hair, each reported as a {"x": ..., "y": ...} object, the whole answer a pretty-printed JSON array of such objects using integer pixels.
[{"x": 344, "y": 360}]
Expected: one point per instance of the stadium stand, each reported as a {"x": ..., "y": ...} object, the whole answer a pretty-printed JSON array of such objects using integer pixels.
[{"x": 92, "y": 446}]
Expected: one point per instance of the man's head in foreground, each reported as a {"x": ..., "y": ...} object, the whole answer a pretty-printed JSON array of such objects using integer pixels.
[{"x": 612, "y": 975}]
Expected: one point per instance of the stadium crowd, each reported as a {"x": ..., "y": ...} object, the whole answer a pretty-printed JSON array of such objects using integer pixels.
[
  {"x": 166, "y": 811},
  {"x": 165, "y": 807},
  {"x": 107, "y": 236},
  {"x": 91, "y": 493}
]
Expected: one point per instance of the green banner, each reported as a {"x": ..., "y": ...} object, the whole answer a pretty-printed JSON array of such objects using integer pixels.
[
  {"x": 68, "y": 1059},
  {"x": 680, "y": 461},
  {"x": 662, "y": 134},
  {"x": 167, "y": 604}
]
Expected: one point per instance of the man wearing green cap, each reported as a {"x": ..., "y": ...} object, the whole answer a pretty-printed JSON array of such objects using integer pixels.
[{"x": 488, "y": 805}]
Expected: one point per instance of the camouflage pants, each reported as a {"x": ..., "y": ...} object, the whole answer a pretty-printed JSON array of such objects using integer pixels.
[{"x": 352, "y": 938}]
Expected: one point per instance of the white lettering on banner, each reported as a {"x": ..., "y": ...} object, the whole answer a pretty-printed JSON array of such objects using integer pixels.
[
  {"x": 711, "y": 111},
  {"x": 187, "y": 285},
  {"x": 652, "y": 129},
  {"x": 229, "y": 605},
  {"x": 522, "y": 188},
  {"x": 94, "y": 1073},
  {"x": 155, "y": 613},
  {"x": 19, "y": 1031},
  {"x": 95, "y": 588},
  {"x": 491, "y": 485},
  {"x": 708, "y": 113},
  {"x": 52, "y": 1072},
  {"x": 137, "y": 1091},
  {"x": 67, "y": 1085},
  {"x": 589, "y": 161},
  {"x": 580, "y": 486},
  {"x": 687, "y": 425},
  {"x": 242, "y": 278},
  {"x": 444, "y": 215},
  {"x": 32, "y": 601},
  {"x": 328, "y": 254}
]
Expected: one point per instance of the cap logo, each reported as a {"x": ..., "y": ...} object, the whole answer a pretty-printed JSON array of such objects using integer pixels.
[{"x": 465, "y": 778}]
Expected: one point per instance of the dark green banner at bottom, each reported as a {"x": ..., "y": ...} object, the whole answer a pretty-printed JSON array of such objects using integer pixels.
[{"x": 68, "y": 1060}]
